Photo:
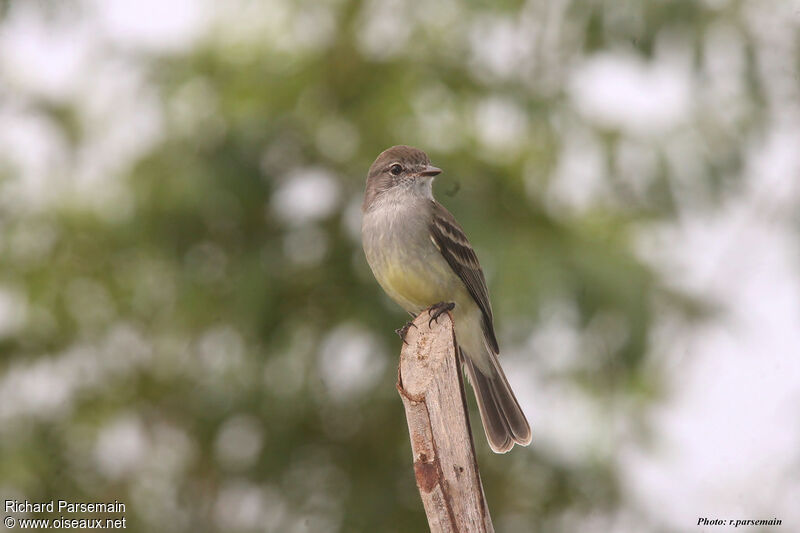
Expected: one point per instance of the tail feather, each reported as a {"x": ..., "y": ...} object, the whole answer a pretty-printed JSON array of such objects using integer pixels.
[{"x": 503, "y": 420}]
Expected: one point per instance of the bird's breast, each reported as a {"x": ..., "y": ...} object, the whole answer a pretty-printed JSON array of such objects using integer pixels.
[{"x": 404, "y": 260}]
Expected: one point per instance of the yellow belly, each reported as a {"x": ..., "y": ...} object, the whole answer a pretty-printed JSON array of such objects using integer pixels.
[
  {"x": 417, "y": 290},
  {"x": 411, "y": 288},
  {"x": 416, "y": 285}
]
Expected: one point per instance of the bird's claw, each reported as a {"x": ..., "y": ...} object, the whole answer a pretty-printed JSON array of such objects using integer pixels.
[
  {"x": 402, "y": 331},
  {"x": 436, "y": 310}
]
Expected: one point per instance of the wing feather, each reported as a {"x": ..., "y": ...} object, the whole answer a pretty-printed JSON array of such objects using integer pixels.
[{"x": 450, "y": 240}]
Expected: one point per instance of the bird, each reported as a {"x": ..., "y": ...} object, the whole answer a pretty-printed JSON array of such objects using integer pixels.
[{"x": 422, "y": 259}]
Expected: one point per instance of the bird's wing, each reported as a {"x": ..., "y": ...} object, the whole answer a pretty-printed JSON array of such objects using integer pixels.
[{"x": 449, "y": 239}]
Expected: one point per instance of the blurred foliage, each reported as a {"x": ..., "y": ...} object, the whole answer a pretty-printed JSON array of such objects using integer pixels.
[{"x": 189, "y": 318}]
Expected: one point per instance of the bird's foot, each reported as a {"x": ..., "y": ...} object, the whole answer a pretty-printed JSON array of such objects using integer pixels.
[
  {"x": 436, "y": 310},
  {"x": 402, "y": 331}
]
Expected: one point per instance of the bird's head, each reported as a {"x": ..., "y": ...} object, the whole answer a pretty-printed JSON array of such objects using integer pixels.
[{"x": 400, "y": 166}]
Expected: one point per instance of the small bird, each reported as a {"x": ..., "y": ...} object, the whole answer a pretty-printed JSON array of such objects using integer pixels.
[{"x": 421, "y": 258}]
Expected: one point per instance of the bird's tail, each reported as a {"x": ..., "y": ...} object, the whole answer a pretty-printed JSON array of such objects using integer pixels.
[{"x": 503, "y": 420}]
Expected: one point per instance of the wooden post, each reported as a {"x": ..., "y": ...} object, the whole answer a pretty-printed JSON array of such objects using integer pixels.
[{"x": 431, "y": 386}]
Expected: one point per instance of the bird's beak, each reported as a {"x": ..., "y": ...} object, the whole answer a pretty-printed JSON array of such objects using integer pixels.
[{"x": 430, "y": 171}]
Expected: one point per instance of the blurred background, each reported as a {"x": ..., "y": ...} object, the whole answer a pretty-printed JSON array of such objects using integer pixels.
[{"x": 188, "y": 324}]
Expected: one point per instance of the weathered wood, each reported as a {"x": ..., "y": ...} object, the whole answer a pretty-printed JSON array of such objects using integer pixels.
[{"x": 430, "y": 384}]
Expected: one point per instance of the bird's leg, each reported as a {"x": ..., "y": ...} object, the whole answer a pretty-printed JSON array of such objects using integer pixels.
[{"x": 436, "y": 310}]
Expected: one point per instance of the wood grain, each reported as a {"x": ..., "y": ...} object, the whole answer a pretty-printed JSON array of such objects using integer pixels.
[{"x": 430, "y": 384}]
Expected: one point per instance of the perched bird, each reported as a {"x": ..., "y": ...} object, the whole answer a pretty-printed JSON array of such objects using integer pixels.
[{"x": 421, "y": 258}]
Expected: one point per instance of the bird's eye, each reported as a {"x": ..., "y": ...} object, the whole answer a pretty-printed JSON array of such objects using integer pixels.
[{"x": 395, "y": 169}]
